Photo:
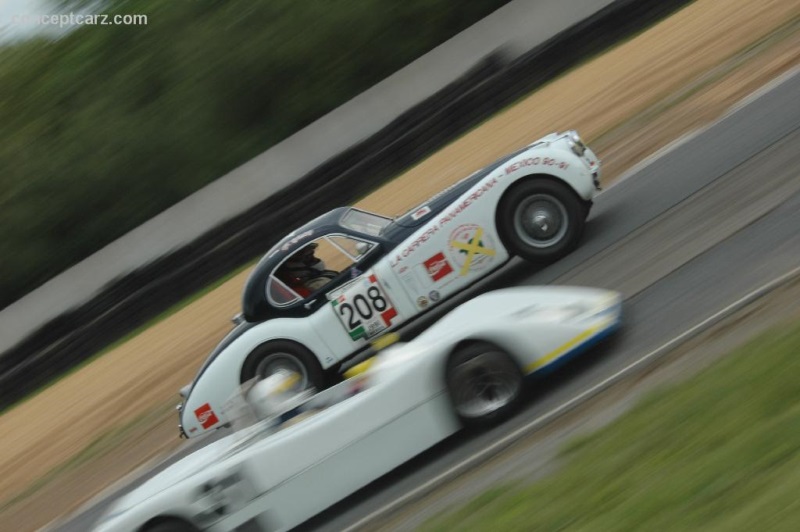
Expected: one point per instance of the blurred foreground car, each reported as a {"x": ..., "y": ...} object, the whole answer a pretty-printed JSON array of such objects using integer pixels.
[
  {"x": 316, "y": 299},
  {"x": 468, "y": 368}
]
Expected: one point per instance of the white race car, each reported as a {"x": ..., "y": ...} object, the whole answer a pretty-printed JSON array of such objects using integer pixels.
[
  {"x": 468, "y": 368},
  {"x": 315, "y": 300}
]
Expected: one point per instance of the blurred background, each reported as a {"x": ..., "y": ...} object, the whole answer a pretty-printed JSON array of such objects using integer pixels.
[{"x": 105, "y": 126}]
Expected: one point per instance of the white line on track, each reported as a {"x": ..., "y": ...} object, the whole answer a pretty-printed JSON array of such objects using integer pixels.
[{"x": 638, "y": 365}]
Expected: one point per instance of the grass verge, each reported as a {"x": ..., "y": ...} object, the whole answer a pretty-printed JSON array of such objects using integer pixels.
[{"x": 720, "y": 451}]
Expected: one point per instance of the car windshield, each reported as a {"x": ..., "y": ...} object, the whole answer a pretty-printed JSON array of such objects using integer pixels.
[{"x": 365, "y": 222}]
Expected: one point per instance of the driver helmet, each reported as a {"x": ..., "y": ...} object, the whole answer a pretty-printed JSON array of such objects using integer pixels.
[
  {"x": 304, "y": 264},
  {"x": 277, "y": 394}
]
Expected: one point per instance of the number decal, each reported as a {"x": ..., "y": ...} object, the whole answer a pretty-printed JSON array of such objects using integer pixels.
[
  {"x": 375, "y": 296},
  {"x": 351, "y": 322},
  {"x": 363, "y": 308}
]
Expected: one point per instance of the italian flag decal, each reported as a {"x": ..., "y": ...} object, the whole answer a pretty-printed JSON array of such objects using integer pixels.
[
  {"x": 358, "y": 332},
  {"x": 364, "y": 309}
]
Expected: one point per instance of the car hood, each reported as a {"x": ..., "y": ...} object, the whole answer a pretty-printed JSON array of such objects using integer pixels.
[
  {"x": 198, "y": 462},
  {"x": 540, "y": 303}
]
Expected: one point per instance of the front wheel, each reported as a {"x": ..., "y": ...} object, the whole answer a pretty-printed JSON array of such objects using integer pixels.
[
  {"x": 287, "y": 356},
  {"x": 484, "y": 383},
  {"x": 541, "y": 220}
]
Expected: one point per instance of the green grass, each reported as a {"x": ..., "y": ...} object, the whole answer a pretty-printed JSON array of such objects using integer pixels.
[{"x": 720, "y": 451}]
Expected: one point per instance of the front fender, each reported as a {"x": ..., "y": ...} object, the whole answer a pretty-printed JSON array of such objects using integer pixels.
[
  {"x": 552, "y": 156},
  {"x": 219, "y": 377}
]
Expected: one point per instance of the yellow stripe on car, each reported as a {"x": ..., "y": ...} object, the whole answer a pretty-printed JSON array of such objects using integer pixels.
[
  {"x": 289, "y": 382},
  {"x": 385, "y": 341},
  {"x": 358, "y": 369},
  {"x": 377, "y": 344},
  {"x": 552, "y": 355}
]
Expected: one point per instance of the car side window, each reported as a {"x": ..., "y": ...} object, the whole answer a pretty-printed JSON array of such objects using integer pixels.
[
  {"x": 279, "y": 294},
  {"x": 314, "y": 266},
  {"x": 354, "y": 249}
]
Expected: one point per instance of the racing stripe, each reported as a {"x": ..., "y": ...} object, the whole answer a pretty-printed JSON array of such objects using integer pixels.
[{"x": 552, "y": 355}]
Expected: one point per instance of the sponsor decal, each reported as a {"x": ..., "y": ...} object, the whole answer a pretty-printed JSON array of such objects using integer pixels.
[
  {"x": 419, "y": 213},
  {"x": 438, "y": 267},
  {"x": 447, "y": 218},
  {"x": 435, "y": 296},
  {"x": 289, "y": 242},
  {"x": 466, "y": 202},
  {"x": 206, "y": 416},
  {"x": 471, "y": 248},
  {"x": 422, "y": 302},
  {"x": 536, "y": 161},
  {"x": 421, "y": 239}
]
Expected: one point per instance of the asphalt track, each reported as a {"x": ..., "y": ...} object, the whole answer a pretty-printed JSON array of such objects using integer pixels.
[
  {"x": 685, "y": 236},
  {"x": 682, "y": 237}
]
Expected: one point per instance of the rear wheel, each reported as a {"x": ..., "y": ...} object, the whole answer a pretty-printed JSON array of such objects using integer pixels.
[
  {"x": 287, "y": 356},
  {"x": 484, "y": 383},
  {"x": 541, "y": 220}
]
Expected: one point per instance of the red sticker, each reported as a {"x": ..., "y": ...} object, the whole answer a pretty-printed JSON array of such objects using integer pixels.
[
  {"x": 206, "y": 416},
  {"x": 422, "y": 211},
  {"x": 388, "y": 315},
  {"x": 438, "y": 266}
]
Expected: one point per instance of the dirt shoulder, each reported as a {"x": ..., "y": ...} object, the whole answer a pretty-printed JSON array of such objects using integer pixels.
[{"x": 83, "y": 433}]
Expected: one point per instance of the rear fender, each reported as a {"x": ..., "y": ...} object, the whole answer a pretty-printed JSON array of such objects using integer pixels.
[{"x": 202, "y": 409}]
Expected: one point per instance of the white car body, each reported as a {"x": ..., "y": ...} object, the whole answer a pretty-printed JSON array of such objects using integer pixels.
[
  {"x": 440, "y": 251},
  {"x": 276, "y": 480}
]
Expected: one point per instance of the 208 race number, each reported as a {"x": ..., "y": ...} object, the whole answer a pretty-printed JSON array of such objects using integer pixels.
[{"x": 364, "y": 309}]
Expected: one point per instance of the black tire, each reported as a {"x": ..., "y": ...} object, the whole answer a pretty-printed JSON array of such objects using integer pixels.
[
  {"x": 171, "y": 525},
  {"x": 484, "y": 383},
  {"x": 287, "y": 355},
  {"x": 541, "y": 220}
]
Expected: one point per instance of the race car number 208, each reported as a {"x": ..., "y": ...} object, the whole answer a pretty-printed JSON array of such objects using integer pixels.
[{"x": 364, "y": 308}]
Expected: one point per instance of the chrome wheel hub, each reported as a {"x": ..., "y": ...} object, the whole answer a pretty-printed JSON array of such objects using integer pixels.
[{"x": 541, "y": 221}]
